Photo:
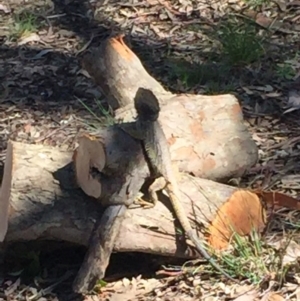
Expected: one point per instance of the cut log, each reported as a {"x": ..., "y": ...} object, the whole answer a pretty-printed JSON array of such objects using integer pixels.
[
  {"x": 117, "y": 70},
  {"x": 46, "y": 203},
  {"x": 206, "y": 134}
]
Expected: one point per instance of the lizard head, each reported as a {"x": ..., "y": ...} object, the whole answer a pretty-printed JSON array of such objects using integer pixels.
[{"x": 146, "y": 105}]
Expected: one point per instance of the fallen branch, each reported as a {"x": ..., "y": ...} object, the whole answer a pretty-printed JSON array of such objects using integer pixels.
[{"x": 100, "y": 248}]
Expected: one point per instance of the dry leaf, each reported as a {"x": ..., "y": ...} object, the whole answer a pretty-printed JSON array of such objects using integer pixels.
[
  {"x": 33, "y": 37},
  {"x": 291, "y": 248},
  {"x": 27, "y": 128},
  {"x": 279, "y": 199},
  {"x": 293, "y": 102},
  {"x": 6, "y": 9},
  {"x": 271, "y": 296}
]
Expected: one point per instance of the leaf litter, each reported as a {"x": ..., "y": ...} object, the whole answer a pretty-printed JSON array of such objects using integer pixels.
[{"x": 41, "y": 82}]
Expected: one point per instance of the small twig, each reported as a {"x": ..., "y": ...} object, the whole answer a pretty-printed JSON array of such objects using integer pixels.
[{"x": 85, "y": 46}]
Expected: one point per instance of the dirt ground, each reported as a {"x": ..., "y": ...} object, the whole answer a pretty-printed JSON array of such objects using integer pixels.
[{"x": 250, "y": 49}]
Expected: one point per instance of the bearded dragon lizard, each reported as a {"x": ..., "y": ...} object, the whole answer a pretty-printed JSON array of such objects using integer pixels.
[{"x": 147, "y": 129}]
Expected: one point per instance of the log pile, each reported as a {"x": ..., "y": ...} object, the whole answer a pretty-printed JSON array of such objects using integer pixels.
[{"x": 48, "y": 193}]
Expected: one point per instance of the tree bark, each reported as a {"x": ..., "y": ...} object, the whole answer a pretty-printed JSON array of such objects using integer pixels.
[
  {"x": 206, "y": 134},
  {"x": 46, "y": 203},
  {"x": 5, "y": 192}
]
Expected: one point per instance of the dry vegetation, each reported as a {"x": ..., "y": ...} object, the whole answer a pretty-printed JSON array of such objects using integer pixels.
[{"x": 249, "y": 48}]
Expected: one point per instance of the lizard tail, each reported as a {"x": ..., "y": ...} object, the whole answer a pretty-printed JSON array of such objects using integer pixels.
[
  {"x": 192, "y": 236},
  {"x": 185, "y": 223},
  {"x": 146, "y": 105}
]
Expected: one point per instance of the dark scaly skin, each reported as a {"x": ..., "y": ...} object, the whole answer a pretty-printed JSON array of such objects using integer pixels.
[{"x": 148, "y": 129}]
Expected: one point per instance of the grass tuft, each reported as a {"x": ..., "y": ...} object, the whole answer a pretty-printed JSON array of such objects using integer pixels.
[
  {"x": 251, "y": 259},
  {"x": 256, "y": 3},
  {"x": 24, "y": 23},
  {"x": 240, "y": 42},
  {"x": 214, "y": 77},
  {"x": 105, "y": 117},
  {"x": 236, "y": 44}
]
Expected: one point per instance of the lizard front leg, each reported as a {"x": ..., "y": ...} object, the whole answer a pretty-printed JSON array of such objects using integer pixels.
[{"x": 158, "y": 184}]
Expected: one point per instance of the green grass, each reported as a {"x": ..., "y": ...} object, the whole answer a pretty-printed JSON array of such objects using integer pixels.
[
  {"x": 236, "y": 44},
  {"x": 256, "y": 3},
  {"x": 251, "y": 259},
  {"x": 214, "y": 77},
  {"x": 105, "y": 117},
  {"x": 100, "y": 284},
  {"x": 240, "y": 43},
  {"x": 285, "y": 71},
  {"x": 219, "y": 87},
  {"x": 23, "y": 24}
]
